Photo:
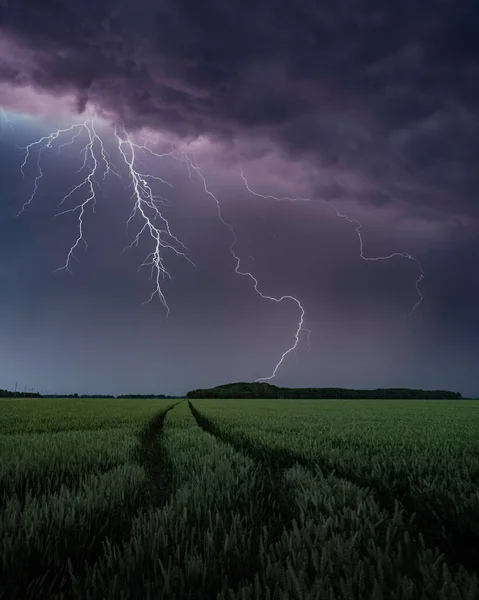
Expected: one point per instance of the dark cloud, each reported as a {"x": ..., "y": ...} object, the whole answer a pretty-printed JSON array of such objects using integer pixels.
[{"x": 385, "y": 88}]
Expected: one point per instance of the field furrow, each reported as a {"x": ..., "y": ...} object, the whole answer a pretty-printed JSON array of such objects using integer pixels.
[
  {"x": 339, "y": 543},
  {"x": 239, "y": 500},
  {"x": 442, "y": 495},
  {"x": 204, "y": 536},
  {"x": 58, "y": 518}
]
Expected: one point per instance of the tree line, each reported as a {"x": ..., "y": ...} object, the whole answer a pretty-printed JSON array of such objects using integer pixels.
[
  {"x": 146, "y": 396},
  {"x": 244, "y": 390},
  {"x": 8, "y": 394},
  {"x": 265, "y": 390}
]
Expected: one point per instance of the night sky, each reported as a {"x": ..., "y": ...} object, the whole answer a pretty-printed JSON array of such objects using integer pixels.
[{"x": 369, "y": 105}]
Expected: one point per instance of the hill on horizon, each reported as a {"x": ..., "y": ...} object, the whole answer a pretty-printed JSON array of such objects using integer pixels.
[{"x": 258, "y": 390}]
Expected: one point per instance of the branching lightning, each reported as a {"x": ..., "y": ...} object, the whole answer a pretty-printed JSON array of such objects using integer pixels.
[
  {"x": 44, "y": 142},
  {"x": 358, "y": 226},
  {"x": 145, "y": 204},
  {"x": 193, "y": 166},
  {"x": 97, "y": 161},
  {"x": 147, "y": 209}
]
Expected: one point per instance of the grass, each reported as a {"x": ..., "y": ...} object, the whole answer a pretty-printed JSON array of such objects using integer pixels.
[{"x": 237, "y": 499}]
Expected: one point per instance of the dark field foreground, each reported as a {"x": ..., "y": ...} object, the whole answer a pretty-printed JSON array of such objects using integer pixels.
[{"x": 239, "y": 499}]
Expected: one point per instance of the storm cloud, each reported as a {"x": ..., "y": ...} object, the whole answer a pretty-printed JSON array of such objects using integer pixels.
[{"x": 385, "y": 89}]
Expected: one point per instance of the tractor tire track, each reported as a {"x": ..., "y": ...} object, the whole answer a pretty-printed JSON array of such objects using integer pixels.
[
  {"x": 276, "y": 510},
  {"x": 153, "y": 457},
  {"x": 40, "y": 580},
  {"x": 459, "y": 542}
]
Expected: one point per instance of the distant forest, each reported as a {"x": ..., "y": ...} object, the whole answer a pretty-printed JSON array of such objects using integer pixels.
[
  {"x": 265, "y": 390},
  {"x": 8, "y": 394},
  {"x": 146, "y": 396}
]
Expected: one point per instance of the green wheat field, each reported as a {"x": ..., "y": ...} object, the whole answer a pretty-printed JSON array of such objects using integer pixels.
[{"x": 239, "y": 499}]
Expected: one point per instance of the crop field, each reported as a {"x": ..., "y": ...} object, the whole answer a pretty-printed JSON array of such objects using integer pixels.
[{"x": 239, "y": 499}]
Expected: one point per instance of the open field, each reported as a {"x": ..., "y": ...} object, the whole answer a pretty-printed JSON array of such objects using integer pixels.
[{"x": 239, "y": 499}]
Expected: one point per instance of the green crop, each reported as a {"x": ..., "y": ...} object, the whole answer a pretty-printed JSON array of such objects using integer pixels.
[
  {"x": 239, "y": 500},
  {"x": 65, "y": 490}
]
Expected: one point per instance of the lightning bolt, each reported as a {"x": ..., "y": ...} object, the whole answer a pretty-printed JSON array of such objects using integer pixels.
[
  {"x": 146, "y": 208},
  {"x": 89, "y": 183},
  {"x": 44, "y": 142},
  {"x": 146, "y": 205},
  {"x": 193, "y": 167},
  {"x": 97, "y": 160},
  {"x": 358, "y": 225}
]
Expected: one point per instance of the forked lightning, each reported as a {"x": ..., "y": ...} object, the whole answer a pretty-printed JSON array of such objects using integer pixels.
[
  {"x": 358, "y": 226},
  {"x": 147, "y": 207}
]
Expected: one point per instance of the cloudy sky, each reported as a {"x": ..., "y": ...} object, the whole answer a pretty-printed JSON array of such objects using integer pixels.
[{"x": 364, "y": 107}]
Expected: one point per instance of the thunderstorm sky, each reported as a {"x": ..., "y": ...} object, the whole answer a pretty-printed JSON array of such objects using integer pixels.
[{"x": 369, "y": 105}]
